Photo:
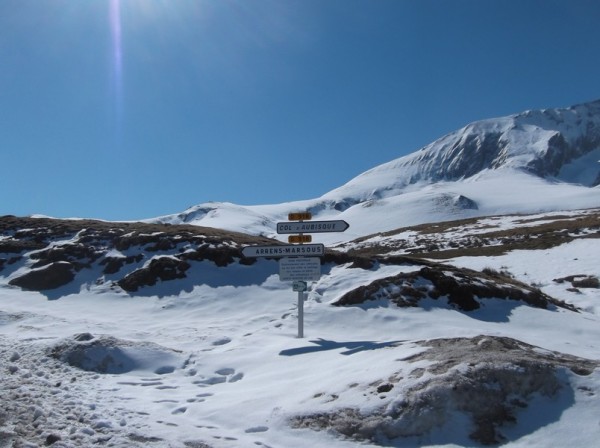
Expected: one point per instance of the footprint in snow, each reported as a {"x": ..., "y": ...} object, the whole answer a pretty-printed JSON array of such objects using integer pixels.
[
  {"x": 211, "y": 381},
  {"x": 179, "y": 410},
  {"x": 230, "y": 373},
  {"x": 225, "y": 375},
  {"x": 222, "y": 341},
  {"x": 235, "y": 378},
  {"x": 257, "y": 429},
  {"x": 199, "y": 398}
]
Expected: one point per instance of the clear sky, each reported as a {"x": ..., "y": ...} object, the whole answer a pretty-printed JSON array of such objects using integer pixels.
[{"x": 130, "y": 109}]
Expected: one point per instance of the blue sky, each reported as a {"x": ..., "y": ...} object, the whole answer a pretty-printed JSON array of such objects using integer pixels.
[{"x": 130, "y": 109}]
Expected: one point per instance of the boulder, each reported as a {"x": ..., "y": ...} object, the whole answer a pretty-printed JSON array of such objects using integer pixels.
[{"x": 51, "y": 276}]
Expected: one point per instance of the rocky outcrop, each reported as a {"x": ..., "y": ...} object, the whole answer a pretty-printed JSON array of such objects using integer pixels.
[
  {"x": 51, "y": 253},
  {"x": 162, "y": 268},
  {"x": 463, "y": 289},
  {"x": 50, "y": 276},
  {"x": 486, "y": 380}
]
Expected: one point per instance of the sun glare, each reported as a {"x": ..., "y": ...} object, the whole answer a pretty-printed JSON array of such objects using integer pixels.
[{"x": 117, "y": 61}]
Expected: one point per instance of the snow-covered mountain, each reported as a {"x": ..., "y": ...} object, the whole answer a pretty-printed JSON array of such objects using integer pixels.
[
  {"x": 554, "y": 144},
  {"x": 535, "y": 161},
  {"x": 474, "y": 332}
]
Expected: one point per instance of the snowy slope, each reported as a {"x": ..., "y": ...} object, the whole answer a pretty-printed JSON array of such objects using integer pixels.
[
  {"x": 212, "y": 360},
  {"x": 526, "y": 163}
]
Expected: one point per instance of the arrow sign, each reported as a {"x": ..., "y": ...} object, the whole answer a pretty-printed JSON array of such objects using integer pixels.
[
  {"x": 299, "y": 286},
  {"x": 284, "y": 250},
  {"x": 312, "y": 227}
]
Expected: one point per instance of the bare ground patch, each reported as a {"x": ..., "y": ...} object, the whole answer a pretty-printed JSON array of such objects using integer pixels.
[{"x": 478, "y": 237}]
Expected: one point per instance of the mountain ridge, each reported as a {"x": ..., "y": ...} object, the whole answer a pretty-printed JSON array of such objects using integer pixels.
[
  {"x": 537, "y": 141},
  {"x": 534, "y": 161}
]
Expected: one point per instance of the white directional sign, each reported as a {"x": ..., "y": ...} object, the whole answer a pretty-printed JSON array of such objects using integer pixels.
[
  {"x": 312, "y": 226},
  {"x": 285, "y": 250},
  {"x": 300, "y": 268}
]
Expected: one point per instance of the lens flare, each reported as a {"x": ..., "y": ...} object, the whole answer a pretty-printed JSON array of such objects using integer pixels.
[{"x": 117, "y": 63}]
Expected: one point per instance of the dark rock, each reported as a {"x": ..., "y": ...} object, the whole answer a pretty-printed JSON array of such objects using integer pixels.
[
  {"x": 18, "y": 246},
  {"x": 79, "y": 255},
  {"x": 112, "y": 265},
  {"x": 580, "y": 281},
  {"x": 221, "y": 256},
  {"x": 163, "y": 268},
  {"x": 465, "y": 203},
  {"x": 163, "y": 244},
  {"x": 383, "y": 388},
  {"x": 51, "y": 276},
  {"x": 587, "y": 282},
  {"x": 52, "y": 439},
  {"x": 463, "y": 288}
]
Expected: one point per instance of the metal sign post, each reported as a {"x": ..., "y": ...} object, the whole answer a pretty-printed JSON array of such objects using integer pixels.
[
  {"x": 300, "y": 287},
  {"x": 300, "y": 314},
  {"x": 298, "y": 263}
]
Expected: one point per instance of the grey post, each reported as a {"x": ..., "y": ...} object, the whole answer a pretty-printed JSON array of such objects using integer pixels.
[{"x": 300, "y": 314}]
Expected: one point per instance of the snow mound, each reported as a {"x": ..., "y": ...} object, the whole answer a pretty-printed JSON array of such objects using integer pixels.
[
  {"x": 473, "y": 388},
  {"x": 106, "y": 354}
]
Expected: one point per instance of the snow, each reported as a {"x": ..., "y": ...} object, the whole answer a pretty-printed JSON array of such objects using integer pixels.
[
  {"x": 584, "y": 171},
  {"x": 219, "y": 360},
  {"x": 495, "y": 192}
]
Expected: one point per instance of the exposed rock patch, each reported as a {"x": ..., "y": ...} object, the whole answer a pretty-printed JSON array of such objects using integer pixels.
[
  {"x": 51, "y": 276},
  {"x": 478, "y": 236},
  {"x": 489, "y": 380},
  {"x": 78, "y": 254},
  {"x": 162, "y": 268},
  {"x": 112, "y": 265},
  {"x": 134, "y": 255},
  {"x": 580, "y": 281},
  {"x": 463, "y": 288}
]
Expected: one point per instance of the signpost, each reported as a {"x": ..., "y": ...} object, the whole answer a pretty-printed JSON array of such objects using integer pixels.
[
  {"x": 299, "y": 286},
  {"x": 299, "y": 263},
  {"x": 300, "y": 268},
  {"x": 312, "y": 227},
  {"x": 284, "y": 250}
]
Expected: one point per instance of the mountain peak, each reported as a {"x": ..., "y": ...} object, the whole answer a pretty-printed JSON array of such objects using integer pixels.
[{"x": 545, "y": 143}]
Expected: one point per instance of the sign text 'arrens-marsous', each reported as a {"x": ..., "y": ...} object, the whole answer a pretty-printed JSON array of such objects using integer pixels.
[{"x": 283, "y": 250}]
